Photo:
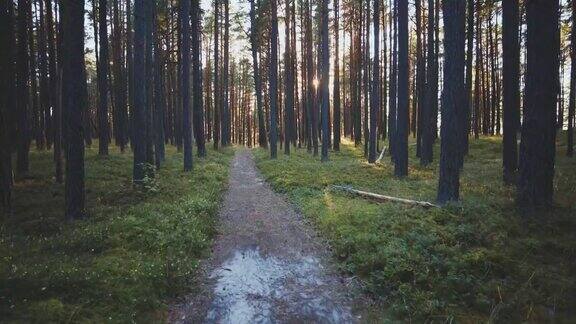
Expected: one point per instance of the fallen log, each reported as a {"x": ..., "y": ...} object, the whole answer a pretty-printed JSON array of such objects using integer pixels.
[{"x": 382, "y": 198}]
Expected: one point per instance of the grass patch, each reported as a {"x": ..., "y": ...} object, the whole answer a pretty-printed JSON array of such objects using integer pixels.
[
  {"x": 137, "y": 249},
  {"x": 476, "y": 261}
]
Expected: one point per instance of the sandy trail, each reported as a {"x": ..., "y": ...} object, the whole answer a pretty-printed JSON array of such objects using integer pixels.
[{"x": 267, "y": 264}]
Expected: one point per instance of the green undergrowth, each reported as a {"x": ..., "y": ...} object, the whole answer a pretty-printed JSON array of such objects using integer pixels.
[
  {"x": 476, "y": 261},
  {"x": 139, "y": 247}
]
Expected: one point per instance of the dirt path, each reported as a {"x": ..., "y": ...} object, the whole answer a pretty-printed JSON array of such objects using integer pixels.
[{"x": 267, "y": 265}]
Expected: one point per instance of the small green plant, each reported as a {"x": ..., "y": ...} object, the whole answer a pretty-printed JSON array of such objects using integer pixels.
[
  {"x": 139, "y": 247},
  {"x": 477, "y": 261}
]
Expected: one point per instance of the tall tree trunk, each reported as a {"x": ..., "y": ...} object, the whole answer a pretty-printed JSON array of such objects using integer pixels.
[
  {"x": 537, "y": 146},
  {"x": 511, "y": 60},
  {"x": 36, "y": 127},
  {"x": 262, "y": 141},
  {"x": 121, "y": 112},
  {"x": 427, "y": 149},
  {"x": 44, "y": 107},
  {"x": 273, "y": 82},
  {"x": 452, "y": 99},
  {"x": 139, "y": 109},
  {"x": 103, "y": 127},
  {"x": 336, "y": 94},
  {"x": 217, "y": 93},
  {"x": 420, "y": 78},
  {"x": 288, "y": 83},
  {"x": 477, "y": 79},
  {"x": 22, "y": 81},
  {"x": 572, "y": 101},
  {"x": 74, "y": 104},
  {"x": 401, "y": 145},
  {"x": 393, "y": 103},
  {"x": 7, "y": 102},
  {"x": 324, "y": 83},
  {"x": 185, "y": 82},
  {"x": 465, "y": 124},
  {"x": 198, "y": 106},
  {"x": 375, "y": 102},
  {"x": 159, "y": 95},
  {"x": 226, "y": 98}
]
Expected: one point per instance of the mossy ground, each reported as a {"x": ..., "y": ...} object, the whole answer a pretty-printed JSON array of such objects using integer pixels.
[
  {"x": 475, "y": 261},
  {"x": 137, "y": 249}
]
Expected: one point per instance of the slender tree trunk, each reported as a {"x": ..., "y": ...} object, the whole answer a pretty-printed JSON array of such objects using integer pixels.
[
  {"x": 7, "y": 102},
  {"x": 420, "y": 78},
  {"x": 159, "y": 95},
  {"x": 139, "y": 109},
  {"x": 103, "y": 127},
  {"x": 288, "y": 83},
  {"x": 226, "y": 98},
  {"x": 572, "y": 101},
  {"x": 273, "y": 82},
  {"x": 336, "y": 94},
  {"x": 185, "y": 82},
  {"x": 198, "y": 105},
  {"x": 74, "y": 103},
  {"x": 427, "y": 149},
  {"x": 375, "y": 97},
  {"x": 538, "y": 143},
  {"x": 22, "y": 81},
  {"x": 119, "y": 81},
  {"x": 217, "y": 93},
  {"x": 401, "y": 145},
  {"x": 262, "y": 141},
  {"x": 324, "y": 83},
  {"x": 393, "y": 103},
  {"x": 465, "y": 124},
  {"x": 511, "y": 57},
  {"x": 452, "y": 100},
  {"x": 149, "y": 65}
]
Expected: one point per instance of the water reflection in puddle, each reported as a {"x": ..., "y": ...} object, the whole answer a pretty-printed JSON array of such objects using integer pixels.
[{"x": 252, "y": 288}]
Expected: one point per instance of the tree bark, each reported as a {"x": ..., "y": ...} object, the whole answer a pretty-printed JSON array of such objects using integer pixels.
[
  {"x": 401, "y": 145},
  {"x": 375, "y": 97},
  {"x": 538, "y": 143},
  {"x": 511, "y": 84},
  {"x": 452, "y": 100},
  {"x": 74, "y": 103}
]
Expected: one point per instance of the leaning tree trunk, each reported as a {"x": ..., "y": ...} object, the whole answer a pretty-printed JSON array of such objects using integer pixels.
[
  {"x": 537, "y": 146},
  {"x": 452, "y": 100}
]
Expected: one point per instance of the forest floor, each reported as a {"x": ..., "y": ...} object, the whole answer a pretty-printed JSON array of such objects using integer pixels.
[
  {"x": 476, "y": 261},
  {"x": 139, "y": 248},
  {"x": 267, "y": 264}
]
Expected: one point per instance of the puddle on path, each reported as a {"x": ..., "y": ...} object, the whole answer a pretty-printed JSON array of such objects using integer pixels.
[{"x": 254, "y": 288}]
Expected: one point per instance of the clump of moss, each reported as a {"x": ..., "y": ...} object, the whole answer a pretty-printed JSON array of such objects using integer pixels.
[
  {"x": 476, "y": 261},
  {"x": 138, "y": 248}
]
